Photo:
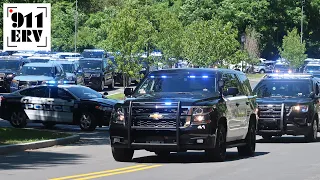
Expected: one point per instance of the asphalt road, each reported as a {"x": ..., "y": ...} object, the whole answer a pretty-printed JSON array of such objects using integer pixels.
[{"x": 91, "y": 158}]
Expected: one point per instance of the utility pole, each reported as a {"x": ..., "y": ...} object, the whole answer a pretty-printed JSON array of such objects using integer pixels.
[
  {"x": 302, "y": 6},
  {"x": 75, "y": 27}
]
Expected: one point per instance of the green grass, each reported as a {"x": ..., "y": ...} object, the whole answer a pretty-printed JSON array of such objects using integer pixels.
[
  {"x": 119, "y": 96},
  {"x": 255, "y": 76},
  {"x": 18, "y": 136}
]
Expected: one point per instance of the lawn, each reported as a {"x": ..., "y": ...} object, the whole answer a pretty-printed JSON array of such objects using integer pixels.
[
  {"x": 255, "y": 76},
  {"x": 17, "y": 136},
  {"x": 119, "y": 96}
]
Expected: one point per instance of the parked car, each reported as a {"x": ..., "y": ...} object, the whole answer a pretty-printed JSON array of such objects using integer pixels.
[
  {"x": 97, "y": 73},
  {"x": 73, "y": 70},
  {"x": 33, "y": 74},
  {"x": 9, "y": 68}
]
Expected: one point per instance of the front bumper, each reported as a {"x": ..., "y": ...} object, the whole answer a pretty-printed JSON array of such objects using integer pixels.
[
  {"x": 190, "y": 138},
  {"x": 94, "y": 82},
  {"x": 290, "y": 123}
]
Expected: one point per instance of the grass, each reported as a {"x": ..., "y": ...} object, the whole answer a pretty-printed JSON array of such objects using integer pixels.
[
  {"x": 119, "y": 96},
  {"x": 18, "y": 136},
  {"x": 255, "y": 76}
]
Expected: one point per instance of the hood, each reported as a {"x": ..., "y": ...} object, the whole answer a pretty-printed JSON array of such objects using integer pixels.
[
  {"x": 111, "y": 102},
  {"x": 8, "y": 71},
  {"x": 33, "y": 78},
  {"x": 186, "y": 100},
  {"x": 287, "y": 100}
]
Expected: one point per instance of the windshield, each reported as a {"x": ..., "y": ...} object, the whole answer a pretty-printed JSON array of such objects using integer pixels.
[
  {"x": 66, "y": 56},
  {"x": 9, "y": 65},
  {"x": 178, "y": 84},
  {"x": 68, "y": 68},
  {"x": 275, "y": 88},
  {"x": 93, "y": 54},
  {"x": 84, "y": 92},
  {"x": 91, "y": 64},
  {"x": 39, "y": 60},
  {"x": 41, "y": 71},
  {"x": 312, "y": 68}
]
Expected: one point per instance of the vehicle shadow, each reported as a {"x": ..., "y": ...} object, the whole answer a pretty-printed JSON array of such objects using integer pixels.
[
  {"x": 37, "y": 160},
  {"x": 190, "y": 157},
  {"x": 286, "y": 140}
]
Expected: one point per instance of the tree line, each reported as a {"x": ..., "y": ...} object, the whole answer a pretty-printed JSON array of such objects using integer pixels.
[{"x": 205, "y": 32}]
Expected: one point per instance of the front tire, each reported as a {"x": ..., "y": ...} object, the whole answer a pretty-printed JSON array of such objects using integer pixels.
[
  {"x": 101, "y": 88},
  {"x": 262, "y": 71},
  {"x": 87, "y": 122},
  {"x": 122, "y": 155},
  {"x": 218, "y": 153},
  {"x": 250, "y": 147},
  {"x": 313, "y": 133},
  {"x": 18, "y": 119},
  {"x": 111, "y": 86}
]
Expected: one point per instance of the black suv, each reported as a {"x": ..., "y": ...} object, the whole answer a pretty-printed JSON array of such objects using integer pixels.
[
  {"x": 9, "y": 67},
  {"x": 97, "y": 73},
  {"x": 288, "y": 104},
  {"x": 186, "y": 109}
]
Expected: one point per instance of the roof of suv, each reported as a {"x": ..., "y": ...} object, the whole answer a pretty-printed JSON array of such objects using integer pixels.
[
  {"x": 47, "y": 64},
  {"x": 288, "y": 76},
  {"x": 195, "y": 70}
]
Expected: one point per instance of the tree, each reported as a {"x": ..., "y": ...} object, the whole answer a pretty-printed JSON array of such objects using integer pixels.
[
  {"x": 125, "y": 37},
  {"x": 292, "y": 49},
  {"x": 252, "y": 46},
  {"x": 206, "y": 42}
]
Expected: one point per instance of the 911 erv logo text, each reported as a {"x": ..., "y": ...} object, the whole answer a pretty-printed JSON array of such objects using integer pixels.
[
  {"x": 47, "y": 107},
  {"x": 27, "y": 26}
]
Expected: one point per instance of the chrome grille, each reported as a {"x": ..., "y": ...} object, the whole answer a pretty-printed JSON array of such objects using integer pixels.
[
  {"x": 141, "y": 112},
  {"x": 270, "y": 112}
]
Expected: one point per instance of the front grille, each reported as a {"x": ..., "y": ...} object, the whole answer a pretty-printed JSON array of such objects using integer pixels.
[
  {"x": 87, "y": 75},
  {"x": 2, "y": 75},
  {"x": 142, "y": 115},
  {"x": 270, "y": 116}
]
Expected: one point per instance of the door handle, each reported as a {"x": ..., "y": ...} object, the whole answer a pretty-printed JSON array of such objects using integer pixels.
[
  {"x": 247, "y": 103},
  {"x": 237, "y": 104}
]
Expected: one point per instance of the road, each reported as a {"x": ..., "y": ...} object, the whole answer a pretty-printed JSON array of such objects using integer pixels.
[{"x": 91, "y": 158}]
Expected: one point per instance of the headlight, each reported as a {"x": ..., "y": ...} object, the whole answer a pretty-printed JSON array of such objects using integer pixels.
[
  {"x": 290, "y": 71},
  {"x": 118, "y": 115},
  {"x": 10, "y": 75},
  {"x": 95, "y": 75},
  {"x": 15, "y": 81},
  {"x": 200, "y": 115},
  {"x": 277, "y": 70},
  {"x": 300, "y": 108}
]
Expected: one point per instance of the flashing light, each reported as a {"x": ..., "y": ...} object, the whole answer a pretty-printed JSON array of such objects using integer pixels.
[
  {"x": 192, "y": 76},
  {"x": 290, "y": 71},
  {"x": 51, "y": 82},
  {"x": 163, "y": 76},
  {"x": 204, "y": 76},
  {"x": 168, "y": 103},
  {"x": 152, "y": 76}
]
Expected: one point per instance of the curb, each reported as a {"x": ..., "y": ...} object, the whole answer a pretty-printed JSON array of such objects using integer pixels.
[{"x": 6, "y": 149}]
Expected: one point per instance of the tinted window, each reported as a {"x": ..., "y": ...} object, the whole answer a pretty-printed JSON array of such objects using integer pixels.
[
  {"x": 42, "y": 71},
  {"x": 56, "y": 92},
  {"x": 39, "y": 60},
  {"x": 36, "y": 92},
  {"x": 9, "y": 65},
  {"x": 98, "y": 54},
  {"x": 178, "y": 84},
  {"x": 245, "y": 84},
  {"x": 91, "y": 64},
  {"x": 282, "y": 88},
  {"x": 312, "y": 68},
  {"x": 69, "y": 68},
  {"x": 230, "y": 80},
  {"x": 84, "y": 92}
]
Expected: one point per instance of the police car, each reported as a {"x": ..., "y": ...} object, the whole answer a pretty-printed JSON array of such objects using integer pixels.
[
  {"x": 57, "y": 104},
  {"x": 73, "y": 70}
]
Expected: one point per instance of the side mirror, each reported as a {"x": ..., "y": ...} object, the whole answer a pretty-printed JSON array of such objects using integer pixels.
[
  {"x": 128, "y": 91},
  {"x": 233, "y": 91}
]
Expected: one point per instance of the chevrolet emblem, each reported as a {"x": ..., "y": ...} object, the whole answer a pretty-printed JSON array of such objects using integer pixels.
[{"x": 156, "y": 116}]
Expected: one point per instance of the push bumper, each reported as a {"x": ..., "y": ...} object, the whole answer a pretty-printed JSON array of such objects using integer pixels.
[{"x": 94, "y": 82}]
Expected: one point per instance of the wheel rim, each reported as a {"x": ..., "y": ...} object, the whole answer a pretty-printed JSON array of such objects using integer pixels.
[
  {"x": 85, "y": 121},
  {"x": 17, "y": 118},
  {"x": 315, "y": 129}
]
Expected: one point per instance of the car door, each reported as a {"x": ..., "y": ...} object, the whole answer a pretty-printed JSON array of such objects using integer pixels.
[
  {"x": 233, "y": 108},
  {"x": 78, "y": 73},
  {"x": 249, "y": 102},
  {"x": 62, "y": 105},
  {"x": 36, "y": 103}
]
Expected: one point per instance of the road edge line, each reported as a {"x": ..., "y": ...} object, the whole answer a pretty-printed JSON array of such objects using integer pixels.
[{"x": 12, "y": 148}]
